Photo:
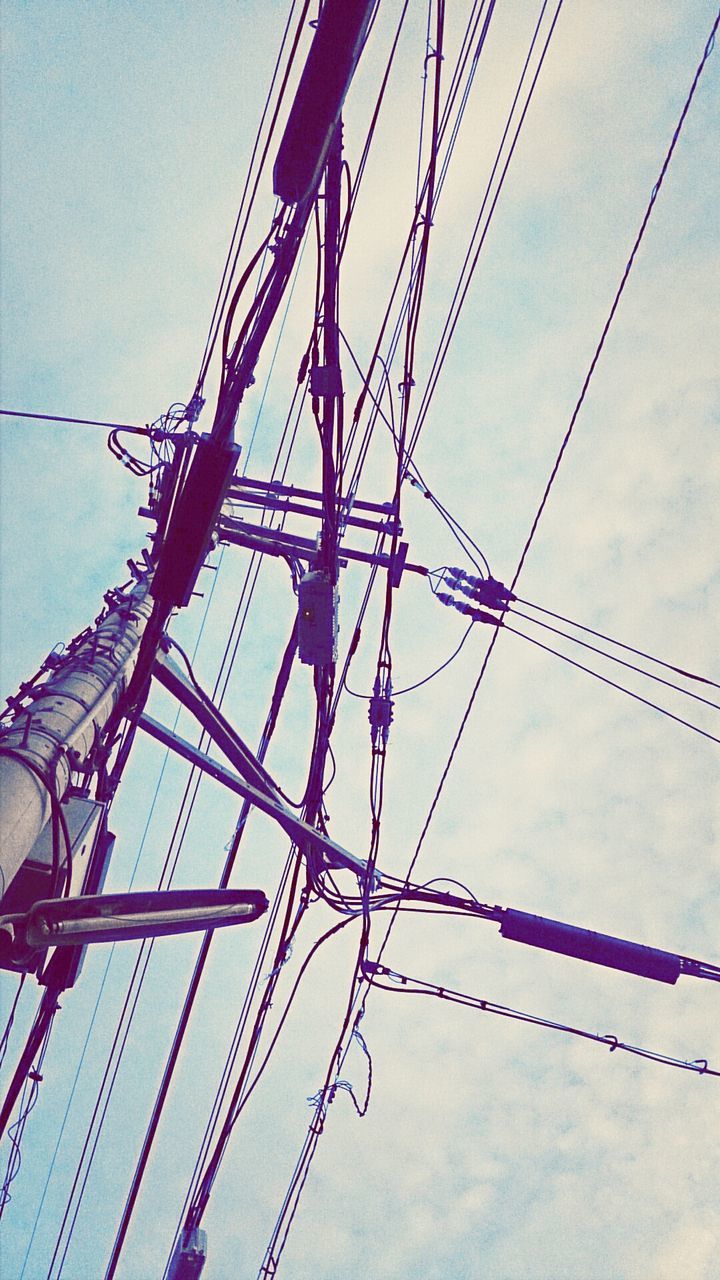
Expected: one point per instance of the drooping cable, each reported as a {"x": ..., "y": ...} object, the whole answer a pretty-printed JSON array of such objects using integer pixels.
[
  {"x": 403, "y": 985},
  {"x": 238, "y": 235},
  {"x": 35, "y": 1051},
  {"x": 618, "y": 295},
  {"x": 640, "y": 653},
  {"x": 468, "y": 709},
  {"x": 397, "y": 693}
]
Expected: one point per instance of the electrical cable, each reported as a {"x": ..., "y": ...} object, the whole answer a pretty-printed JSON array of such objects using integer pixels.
[
  {"x": 85, "y": 422},
  {"x": 397, "y": 693},
  {"x": 4, "y": 1040},
  {"x": 31, "y": 1087},
  {"x": 536, "y": 521},
  {"x": 355, "y": 1005},
  {"x": 444, "y": 124},
  {"x": 616, "y": 300},
  {"x": 253, "y": 567},
  {"x": 461, "y": 289},
  {"x": 461, "y": 536},
  {"x": 613, "y": 657},
  {"x": 252, "y": 570},
  {"x": 640, "y": 653},
  {"x": 605, "y": 680},
  {"x": 230, "y": 267},
  {"x": 420, "y": 987}
]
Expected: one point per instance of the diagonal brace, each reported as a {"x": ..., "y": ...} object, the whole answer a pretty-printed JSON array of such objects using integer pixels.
[{"x": 298, "y": 830}]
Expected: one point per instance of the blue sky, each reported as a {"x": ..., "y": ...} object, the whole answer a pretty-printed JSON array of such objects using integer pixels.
[{"x": 489, "y": 1149}]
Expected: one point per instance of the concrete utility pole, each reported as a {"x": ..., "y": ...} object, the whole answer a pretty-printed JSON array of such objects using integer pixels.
[{"x": 56, "y": 734}]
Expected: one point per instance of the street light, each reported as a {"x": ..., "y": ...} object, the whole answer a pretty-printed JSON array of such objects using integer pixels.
[{"x": 116, "y": 917}]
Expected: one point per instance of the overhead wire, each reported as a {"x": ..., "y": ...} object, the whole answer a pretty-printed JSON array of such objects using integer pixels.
[
  {"x": 616, "y": 300},
  {"x": 255, "y": 564},
  {"x": 31, "y": 1088},
  {"x": 467, "y": 271},
  {"x": 486, "y": 659},
  {"x": 5, "y": 1038},
  {"x": 220, "y": 1146},
  {"x": 84, "y": 422},
  {"x": 613, "y": 684},
  {"x": 176, "y": 841},
  {"x": 399, "y": 984},
  {"x": 355, "y": 1004},
  {"x": 237, "y": 238},
  {"x": 640, "y": 653},
  {"x": 446, "y": 116},
  {"x": 397, "y": 693},
  {"x": 631, "y": 666}
]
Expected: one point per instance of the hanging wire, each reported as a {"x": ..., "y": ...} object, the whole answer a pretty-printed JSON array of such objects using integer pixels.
[
  {"x": 630, "y": 666},
  {"x": 640, "y": 653},
  {"x": 400, "y": 984},
  {"x": 486, "y": 659},
  {"x": 4, "y": 1040}
]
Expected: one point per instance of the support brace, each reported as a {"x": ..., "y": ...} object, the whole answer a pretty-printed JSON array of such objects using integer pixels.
[{"x": 299, "y": 831}]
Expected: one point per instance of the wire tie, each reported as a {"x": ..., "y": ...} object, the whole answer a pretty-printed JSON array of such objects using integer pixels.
[
  {"x": 615, "y": 1042},
  {"x": 701, "y": 1064}
]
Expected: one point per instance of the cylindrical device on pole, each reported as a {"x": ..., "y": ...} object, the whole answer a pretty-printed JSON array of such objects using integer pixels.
[
  {"x": 56, "y": 734},
  {"x": 331, "y": 62}
]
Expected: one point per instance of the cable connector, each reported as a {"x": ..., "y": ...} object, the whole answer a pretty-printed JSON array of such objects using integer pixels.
[
  {"x": 380, "y": 713},
  {"x": 492, "y": 593},
  {"x": 194, "y": 409},
  {"x": 488, "y": 591}
]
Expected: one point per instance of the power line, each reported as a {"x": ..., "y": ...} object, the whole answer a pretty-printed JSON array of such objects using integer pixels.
[
  {"x": 461, "y": 288},
  {"x": 669, "y": 666},
  {"x": 396, "y": 693},
  {"x": 616, "y": 300},
  {"x": 669, "y": 684},
  {"x": 536, "y": 521},
  {"x": 421, "y": 987},
  {"x": 177, "y": 840},
  {"x": 232, "y": 259},
  {"x": 605, "y": 680},
  {"x": 84, "y": 422}
]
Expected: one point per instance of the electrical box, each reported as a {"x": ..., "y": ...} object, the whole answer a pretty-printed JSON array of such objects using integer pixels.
[
  {"x": 190, "y": 1255},
  {"x": 34, "y": 880},
  {"x": 317, "y": 619}
]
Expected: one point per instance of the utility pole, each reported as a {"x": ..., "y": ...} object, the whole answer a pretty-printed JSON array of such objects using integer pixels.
[{"x": 59, "y": 724}]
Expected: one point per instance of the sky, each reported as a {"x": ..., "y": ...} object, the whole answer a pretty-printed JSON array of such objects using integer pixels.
[{"x": 490, "y": 1149}]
